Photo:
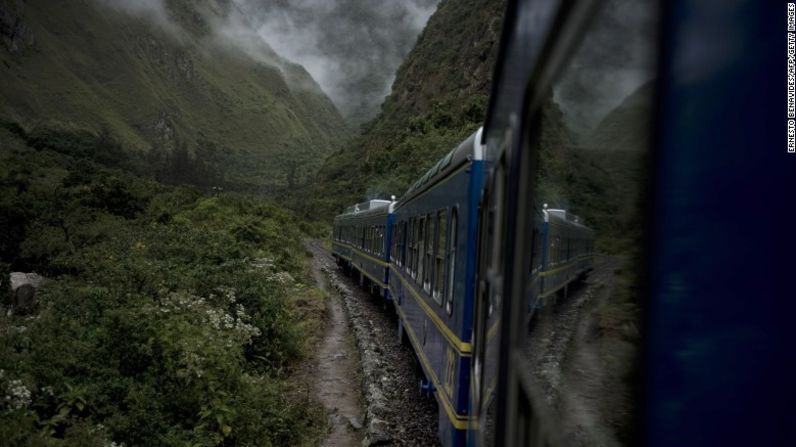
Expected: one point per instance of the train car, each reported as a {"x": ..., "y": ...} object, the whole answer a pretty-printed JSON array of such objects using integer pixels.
[
  {"x": 361, "y": 243},
  {"x": 432, "y": 282},
  {"x": 562, "y": 252}
]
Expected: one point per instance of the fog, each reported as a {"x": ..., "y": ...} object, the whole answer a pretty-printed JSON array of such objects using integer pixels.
[
  {"x": 150, "y": 9},
  {"x": 352, "y": 48},
  {"x": 615, "y": 59}
]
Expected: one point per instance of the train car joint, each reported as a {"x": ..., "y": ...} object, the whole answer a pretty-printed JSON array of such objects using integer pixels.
[{"x": 426, "y": 388}]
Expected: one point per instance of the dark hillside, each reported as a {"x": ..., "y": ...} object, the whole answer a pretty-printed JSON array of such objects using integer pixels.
[
  {"x": 161, "y": 81},
  {"x": 439, "y": 96}
]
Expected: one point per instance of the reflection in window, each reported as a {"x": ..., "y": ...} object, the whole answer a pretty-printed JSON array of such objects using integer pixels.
[{"x": 591, "y": 150}]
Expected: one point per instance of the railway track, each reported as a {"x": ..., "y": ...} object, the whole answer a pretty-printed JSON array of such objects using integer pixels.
[{"x": 396, "y": 412}]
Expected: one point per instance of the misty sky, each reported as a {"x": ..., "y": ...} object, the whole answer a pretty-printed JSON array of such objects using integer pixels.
[{"x": 351, "y": 47}]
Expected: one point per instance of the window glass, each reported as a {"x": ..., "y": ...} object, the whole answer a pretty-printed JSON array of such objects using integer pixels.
[
  {"x": 428, "y": 246},
  {"x": 413, "y": 247},
  {"x": 441, "y": 248},
  {"x": 420, "y": 248},
  {"x": 591, "y": 144},
  {"x": 396, "y": 234},
  {"x": 451, "y": 262},
  {"x": 404, "y": 238}
]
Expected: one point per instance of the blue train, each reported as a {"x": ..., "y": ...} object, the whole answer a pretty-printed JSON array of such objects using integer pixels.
[
  {"x": 421, "y": 252},
  {"x": 362, "y": 241},
  {"x": 467, "y": 254}
]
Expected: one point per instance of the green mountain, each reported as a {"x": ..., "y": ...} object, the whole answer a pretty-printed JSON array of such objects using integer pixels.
[
  {"x": 439, "y": 97},
  {"x": 181, "y": 95},
  {"x": 626, "y": 127}
]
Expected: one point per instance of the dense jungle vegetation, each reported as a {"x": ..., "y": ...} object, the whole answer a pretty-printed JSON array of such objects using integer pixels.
[{"x": 169, "y": 316}]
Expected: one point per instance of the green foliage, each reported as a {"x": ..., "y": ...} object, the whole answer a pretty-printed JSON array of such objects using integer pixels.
[{"x": 167, "y": 316}]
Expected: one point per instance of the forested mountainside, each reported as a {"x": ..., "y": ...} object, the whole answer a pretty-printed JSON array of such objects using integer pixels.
[
  {"x": 439, "y": 96},
  {"x": 186, "y": 90}
]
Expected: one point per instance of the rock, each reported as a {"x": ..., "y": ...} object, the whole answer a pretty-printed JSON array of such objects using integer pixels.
[
  {"x": 378, "y": 433},
  {"x": 355, "y": 422},
  {"x": 23, "y": 291},
  {"x": 14, "y": 32}
]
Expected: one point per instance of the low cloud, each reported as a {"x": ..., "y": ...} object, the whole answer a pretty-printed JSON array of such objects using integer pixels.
[
  {"x": 617, "y": 57},
  {"x": 150, "y": 9},
  {"x": 351, "y": 48}
]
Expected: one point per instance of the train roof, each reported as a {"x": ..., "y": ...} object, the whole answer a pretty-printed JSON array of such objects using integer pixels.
[
  {"x": 563, "y": 215},
  {"x": 470, "y": 148},
  {"x": 367, "y": 208}
]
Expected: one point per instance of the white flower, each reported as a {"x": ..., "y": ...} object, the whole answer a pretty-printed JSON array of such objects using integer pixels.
[{"x": 17, "y": 395}]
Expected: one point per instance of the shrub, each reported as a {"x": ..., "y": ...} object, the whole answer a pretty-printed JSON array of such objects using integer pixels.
[{"x": 166, "y": 319}]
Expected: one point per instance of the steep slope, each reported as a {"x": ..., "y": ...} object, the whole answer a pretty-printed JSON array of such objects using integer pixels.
[
  {"x": 164, "y": 80},
  {"x": 625, "y": 127},
  {"x": 439, "y": 96}
]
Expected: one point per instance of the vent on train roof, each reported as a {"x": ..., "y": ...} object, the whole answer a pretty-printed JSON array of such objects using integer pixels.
[
  {"x": 563, "y": 214},
  {"x": 369, "y": 205}
]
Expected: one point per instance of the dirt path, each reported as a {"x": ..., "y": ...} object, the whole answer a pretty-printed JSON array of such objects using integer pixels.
[
  {"x": 397, "y": 414},
  {"x": 337, "y": 382}
]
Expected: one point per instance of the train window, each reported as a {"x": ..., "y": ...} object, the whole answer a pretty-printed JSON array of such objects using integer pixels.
[
  {"x": 590, "y": 139},
  {"x": 420, "y": 249},
  {"x": 415, "y": 244},
  {"x": 428, "y": 253},
  {"x": 397, "y": 240},
  {"x": 381, "y": 241},
  {"x": 409, "y": 244},
  {"x": 441, "y": 248},
  {"x": 394, "y": 244},
  {"x": 451, "y": 261},
  {"x": 402, "y": 249}
]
